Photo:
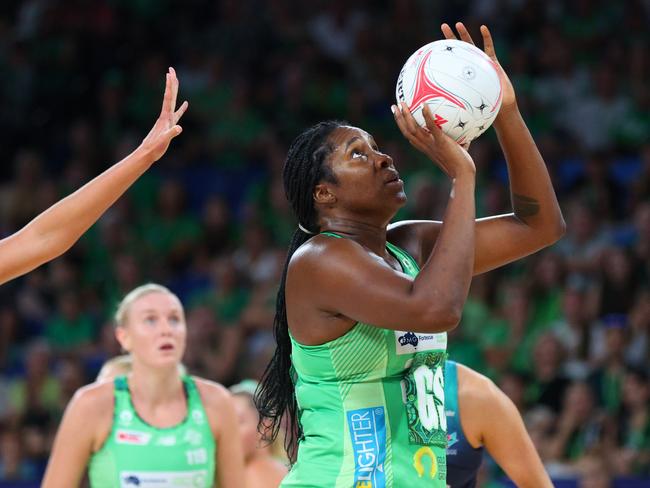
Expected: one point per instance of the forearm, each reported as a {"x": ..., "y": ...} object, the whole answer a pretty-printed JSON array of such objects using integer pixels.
[
  {"x": 445, "y": 278},
  {"x": 533, "y": 197},
  {"x": 58, "y": 228}
]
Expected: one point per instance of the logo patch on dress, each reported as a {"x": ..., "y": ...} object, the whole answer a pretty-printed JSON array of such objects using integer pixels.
[
  {"x": 126, "y": 417},
  {"x": 132, "y": 437},
  {"x": 166, "y": 440},
  {"x": 367, "y": 427},
  {"x": 412, "y": 342},
  {"x": 164, "y": 479}
]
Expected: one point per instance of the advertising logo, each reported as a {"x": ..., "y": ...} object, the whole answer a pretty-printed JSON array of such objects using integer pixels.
[
  {"x": 132, "y": 437},
  {"x": 452, "y": 438},
  {"x": 411, "y": 342},
  {"x": 164, "y": 479},
  {"x": 367, "y": 428},
  {"x": 198, "y": 417},
  {"x": 418, "y": 462},
  {"x": 132, "y": 480},
  {"x": 166, "y": 440},
  {"x": 126, "y": 417},
  {"x": 408, "y": 338},
  {"x": 193, "y": 437}
]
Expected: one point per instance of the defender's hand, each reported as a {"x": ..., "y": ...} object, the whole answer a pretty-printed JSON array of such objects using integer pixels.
[{"x": 166, "y": 127}]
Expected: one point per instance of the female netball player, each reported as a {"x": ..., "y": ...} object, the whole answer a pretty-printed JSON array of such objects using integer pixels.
[
  {"x": 55, "y": 230},
  {"x": 261, "y": 469},
  {"x": 363, "y": 307},
  {"x": 480, "y": 416},
  {"x": 153, "y": 427}
]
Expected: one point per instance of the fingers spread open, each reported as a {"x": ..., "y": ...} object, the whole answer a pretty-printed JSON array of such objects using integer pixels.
[
  {"x": 428, "y": 118},
  {"x": 174, "y": 81},
  {"x": 446, "y": 30},
  {"x": 167, "y": 98},
  {"x": 488, "y": 44},
  {"x": 464, "y": 33},
  {"x": 399, "y": 119},
  {"x": 407, "y": 125},
  {"x": 175, "y": 130},
  {"x": 179, "y": 113},
  {"x": 410, "y": 122},
  {"x": 434, "y": 130}
]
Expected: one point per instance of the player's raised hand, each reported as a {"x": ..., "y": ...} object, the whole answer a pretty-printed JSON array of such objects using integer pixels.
[
  {"x": 166, "y": 127},
  {"x": 509, "y": 99},
  {"x": 435, "y": 144}
]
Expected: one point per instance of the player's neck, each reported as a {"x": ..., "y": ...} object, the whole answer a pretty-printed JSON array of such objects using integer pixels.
[
  {"x": 155, "y": 386},
  {"x": 372, "y": 236}
]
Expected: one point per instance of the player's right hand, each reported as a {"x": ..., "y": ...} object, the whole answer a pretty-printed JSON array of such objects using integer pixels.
[
  {"x": 166, "y": 127},
  {"x": 453, "y": 159}
]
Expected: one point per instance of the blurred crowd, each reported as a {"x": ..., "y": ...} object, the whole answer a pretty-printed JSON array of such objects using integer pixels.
[{"x": 565, "y": 333}]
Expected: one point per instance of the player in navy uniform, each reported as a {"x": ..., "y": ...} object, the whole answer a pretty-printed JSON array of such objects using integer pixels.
[{"x": 480, "y": 416}]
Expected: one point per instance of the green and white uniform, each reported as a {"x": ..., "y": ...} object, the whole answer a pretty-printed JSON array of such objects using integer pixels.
[
  {"x": 371, "y": 405},
  {"x": 135, "y": 454}
]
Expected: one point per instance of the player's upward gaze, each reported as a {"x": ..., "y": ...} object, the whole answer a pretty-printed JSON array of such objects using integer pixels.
[{"x": 364, "y": 305}]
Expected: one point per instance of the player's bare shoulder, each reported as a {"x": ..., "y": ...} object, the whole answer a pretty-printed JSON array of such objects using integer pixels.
[
  {"x": 91, "y": 411},
  {"x": 475, "y": 390},
  {"x": 323, "y": 258},
  {"x": 94, "y": 399},
  {"x": 481, "y": 403},
  {"x": 211, "y": 392},
  {"x": 310, "y": 255},
  {"x": 217, "y": 402},
  {"x": 214, "y": 396}
]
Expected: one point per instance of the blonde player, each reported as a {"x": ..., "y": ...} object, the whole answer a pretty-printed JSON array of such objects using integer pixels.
[{"x": 153, "y": 427}]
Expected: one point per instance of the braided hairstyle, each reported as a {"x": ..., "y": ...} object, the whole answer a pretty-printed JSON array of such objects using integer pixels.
[{"x": 304, "y": 168}]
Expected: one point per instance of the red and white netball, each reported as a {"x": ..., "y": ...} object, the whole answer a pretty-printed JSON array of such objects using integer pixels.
[{"x": 458, "y": 81}]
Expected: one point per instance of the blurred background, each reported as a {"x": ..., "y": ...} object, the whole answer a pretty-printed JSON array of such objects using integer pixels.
[{"x": 565, "y": 333}]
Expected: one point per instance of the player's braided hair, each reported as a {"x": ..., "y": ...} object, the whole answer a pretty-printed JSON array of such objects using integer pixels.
[{"x": 304, "y": 168}]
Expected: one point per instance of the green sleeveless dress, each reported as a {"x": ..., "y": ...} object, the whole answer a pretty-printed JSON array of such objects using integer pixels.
[
  {"x": 371, "y": 405},
  {"x": 137, "y": 455}
]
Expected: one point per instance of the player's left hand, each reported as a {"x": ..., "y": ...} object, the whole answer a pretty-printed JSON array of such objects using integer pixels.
[
  {"x": 509, "y": 100},
  {"x": 166, "y": 127}
]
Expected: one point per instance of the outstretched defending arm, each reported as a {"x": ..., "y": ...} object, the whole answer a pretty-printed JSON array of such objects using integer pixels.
[{"x": 55, "y": 230}]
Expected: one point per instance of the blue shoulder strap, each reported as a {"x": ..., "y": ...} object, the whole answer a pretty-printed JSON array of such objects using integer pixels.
[{"x": 451, "y": 388}]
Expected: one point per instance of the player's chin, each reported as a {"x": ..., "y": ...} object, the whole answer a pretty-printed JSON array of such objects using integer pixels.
[
  {"x": 171, "y": 358},
  {"x": 399, "y": 198},
  {"x": 396, "y": 191}
]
